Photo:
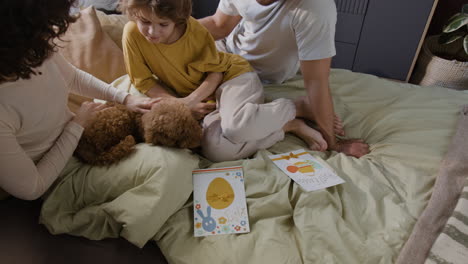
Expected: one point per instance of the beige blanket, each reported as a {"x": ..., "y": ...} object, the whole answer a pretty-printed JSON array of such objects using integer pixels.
[{"x": 365, "y": 220}]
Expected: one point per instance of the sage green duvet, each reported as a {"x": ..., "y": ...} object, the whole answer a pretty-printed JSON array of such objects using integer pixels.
[{"x": 365, "y": 220}]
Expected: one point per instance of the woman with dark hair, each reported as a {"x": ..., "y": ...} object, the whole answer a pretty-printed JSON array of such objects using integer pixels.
[{"x": 38, "y": 133}]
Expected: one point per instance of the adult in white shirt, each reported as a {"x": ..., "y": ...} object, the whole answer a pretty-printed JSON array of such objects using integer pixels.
[
  {"x": 279, "y": 37},
  {"x": 38, "y": 133}
]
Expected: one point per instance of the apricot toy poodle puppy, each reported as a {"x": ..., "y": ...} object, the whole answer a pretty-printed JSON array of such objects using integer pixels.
[{"x": 113, "y": 132}]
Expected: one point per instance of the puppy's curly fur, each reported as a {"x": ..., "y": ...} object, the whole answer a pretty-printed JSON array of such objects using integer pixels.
[{"x": 113, "y": 132}]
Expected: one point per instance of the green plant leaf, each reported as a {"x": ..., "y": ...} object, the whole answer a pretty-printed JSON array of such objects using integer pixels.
[
  {"x": 465, "y": 44},
  {"x": 456, "y": 22},
  {"x": 446, "y": 38}
]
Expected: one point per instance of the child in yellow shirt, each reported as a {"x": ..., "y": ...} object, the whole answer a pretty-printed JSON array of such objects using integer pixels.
[{"x": 170, "y": 54}]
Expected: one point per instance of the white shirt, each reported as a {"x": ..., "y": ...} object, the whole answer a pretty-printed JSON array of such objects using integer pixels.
[
  {"x": 37, "y": 136},
  {"x": 275, "y": 38}
]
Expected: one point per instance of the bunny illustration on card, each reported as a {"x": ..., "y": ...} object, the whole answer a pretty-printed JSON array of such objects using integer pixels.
[
  {"x": 208, "y": 223},
  {"x": 219, "y": 202}
]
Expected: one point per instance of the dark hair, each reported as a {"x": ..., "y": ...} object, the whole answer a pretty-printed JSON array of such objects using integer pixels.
[
  {"x": 178, "y": 11},
  {"x": 28, "y": 29}
]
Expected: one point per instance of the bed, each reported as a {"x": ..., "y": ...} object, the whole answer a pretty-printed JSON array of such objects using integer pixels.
[{"x": 404, "y": 202}]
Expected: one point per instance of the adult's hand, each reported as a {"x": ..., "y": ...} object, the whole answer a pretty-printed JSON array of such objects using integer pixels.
[
  {"x": 86, "y": 111},
  {"x": 139, "y": 104},
  {"x": 352, "y": 147}
]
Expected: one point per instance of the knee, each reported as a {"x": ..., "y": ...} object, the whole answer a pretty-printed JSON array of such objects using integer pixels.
[
  {"x": 237, "y": 127},
  {"x": 219, "y": 149},
  {"x": 213, "y": 155},
  {"x": 214, "y": 145},
  {"x": 234, "y": 133},
  {"x": 217, "y": 153}
]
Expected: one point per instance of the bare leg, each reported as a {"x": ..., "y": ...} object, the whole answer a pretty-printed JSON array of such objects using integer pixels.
[
  {"x": 301, "y": 106},
  {"x": 303, "y": 112},
  {"x": 312, "y": 137}
]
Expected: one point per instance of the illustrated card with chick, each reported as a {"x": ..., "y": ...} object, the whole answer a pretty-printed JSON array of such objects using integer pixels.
[
  {"x": 219, "y": 205},
  {"x": 309, "y": 172}
]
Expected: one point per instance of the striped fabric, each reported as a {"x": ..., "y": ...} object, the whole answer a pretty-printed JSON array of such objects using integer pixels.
[{"x": 451, "y": 246}]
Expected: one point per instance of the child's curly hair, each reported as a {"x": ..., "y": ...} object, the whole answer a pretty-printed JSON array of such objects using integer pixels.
[
  {"x": 28, "y": 29},
  {"x": 178, "y": 11}
]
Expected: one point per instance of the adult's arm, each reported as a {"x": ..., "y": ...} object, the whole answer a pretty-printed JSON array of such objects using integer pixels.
[
  {"x": 20, "y": 177},
  {"x": 220, "y": 25},
  {"x": 85, "y": 84},
  {"x": 316, "y": 74},
  {"x": 316, "y": 81}
]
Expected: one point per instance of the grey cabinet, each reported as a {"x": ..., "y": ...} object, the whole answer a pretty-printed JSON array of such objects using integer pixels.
[
  {"x": 389, "y": 38},
  {"x": 380, "y": 37},
  {"x": 351, "y": 14}
]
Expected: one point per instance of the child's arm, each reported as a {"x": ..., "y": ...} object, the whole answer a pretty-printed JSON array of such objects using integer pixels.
[
  {"x": 208, "y": 86},
  {"x": 159, "y": 91}
]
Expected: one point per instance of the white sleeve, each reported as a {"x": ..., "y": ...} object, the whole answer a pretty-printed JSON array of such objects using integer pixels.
[
  {"x": 20, "y": 177},
  {"x": 315, "y": 33},
  {"x": 228, "y": 8},
  {"x": 85, "y": 84}
]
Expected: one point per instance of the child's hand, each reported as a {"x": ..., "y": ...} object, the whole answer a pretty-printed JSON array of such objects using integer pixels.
[
  {"x": 212, "y": 97},
  {"x": 189, "y": 102},
  {"x": 200, "y": 110}
]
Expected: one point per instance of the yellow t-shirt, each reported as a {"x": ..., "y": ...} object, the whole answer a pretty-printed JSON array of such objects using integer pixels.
[{"x": 182, "y": 65}]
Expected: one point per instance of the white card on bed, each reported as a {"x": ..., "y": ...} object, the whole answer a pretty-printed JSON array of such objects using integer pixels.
[
  {"x": 219, "y": 205},
  {"x": 309, "y": 172}
]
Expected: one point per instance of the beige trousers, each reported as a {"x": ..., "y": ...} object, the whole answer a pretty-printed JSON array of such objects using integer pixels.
[{"x": 242, "y": 124}]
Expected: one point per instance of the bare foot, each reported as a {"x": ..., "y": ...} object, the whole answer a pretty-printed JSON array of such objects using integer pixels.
[
  {"x": 352, "y": 147},
  {"x": 303, "y": 111},
  {"x": 338, "y": 126},
  {"x": 312, "y": 137}
]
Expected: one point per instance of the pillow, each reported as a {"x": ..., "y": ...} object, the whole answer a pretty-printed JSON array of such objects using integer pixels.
[
  {"x": 113, "y": 25},
  {"x": 89, "y": 48},
  {"x": 132, "y": 199}
]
